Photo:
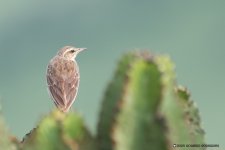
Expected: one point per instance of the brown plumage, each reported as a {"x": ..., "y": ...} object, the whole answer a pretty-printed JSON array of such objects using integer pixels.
[{"x": 63, "y": 77}]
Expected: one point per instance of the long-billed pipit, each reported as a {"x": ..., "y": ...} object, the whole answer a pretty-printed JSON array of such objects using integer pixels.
[{"x": 63, "y": 77}]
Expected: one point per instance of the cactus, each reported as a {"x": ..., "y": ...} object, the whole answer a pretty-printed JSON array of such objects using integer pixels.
[
  {"x": 7, "y": 142},
  {"x": 59, "y": 131},
  {"x": 149, "y": 111},
  {"x": 143, "y": 108}
]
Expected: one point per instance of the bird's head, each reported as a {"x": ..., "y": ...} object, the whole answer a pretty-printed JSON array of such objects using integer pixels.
[{"x": 69, "y": 52}]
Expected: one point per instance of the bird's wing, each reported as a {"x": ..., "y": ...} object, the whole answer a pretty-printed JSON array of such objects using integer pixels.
[
  {"x": 63, "y": 84},
  {"x": 54, "y": 86},
  {"x": 71, "y": 85}
]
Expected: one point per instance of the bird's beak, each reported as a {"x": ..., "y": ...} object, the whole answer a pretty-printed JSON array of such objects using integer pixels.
[{"x": 81, "y": 49}]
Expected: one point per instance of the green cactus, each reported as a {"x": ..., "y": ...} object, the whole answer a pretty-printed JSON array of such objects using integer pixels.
[
  {"x": 7, "y": 142},
  {"x": 59, "y": 131},
  {"x": 143, "y": 108},
  {"x": 148, "y": 111}
]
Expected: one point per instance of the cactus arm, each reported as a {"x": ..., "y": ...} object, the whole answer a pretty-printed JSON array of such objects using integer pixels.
[
  {"x": 146, "y": 110},
  {"x": 191, "y": 116},
  {"x": 111, "y": 99},
  {"x": 138, "y": 126},
  {"x": 59, "y": 131},
  {"x": 7, "y": 142},
  {"x": 174, "y": 108}
]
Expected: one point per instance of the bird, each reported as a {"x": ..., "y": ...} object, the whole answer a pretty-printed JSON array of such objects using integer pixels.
[{"x": 63, "y": 77}]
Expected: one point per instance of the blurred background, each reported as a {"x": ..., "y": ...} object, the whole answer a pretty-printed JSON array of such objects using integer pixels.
[{"x": 31, "y": 32}]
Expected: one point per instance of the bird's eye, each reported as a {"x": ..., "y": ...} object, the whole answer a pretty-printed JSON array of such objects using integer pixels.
[{"x": 72, "y": 51}]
